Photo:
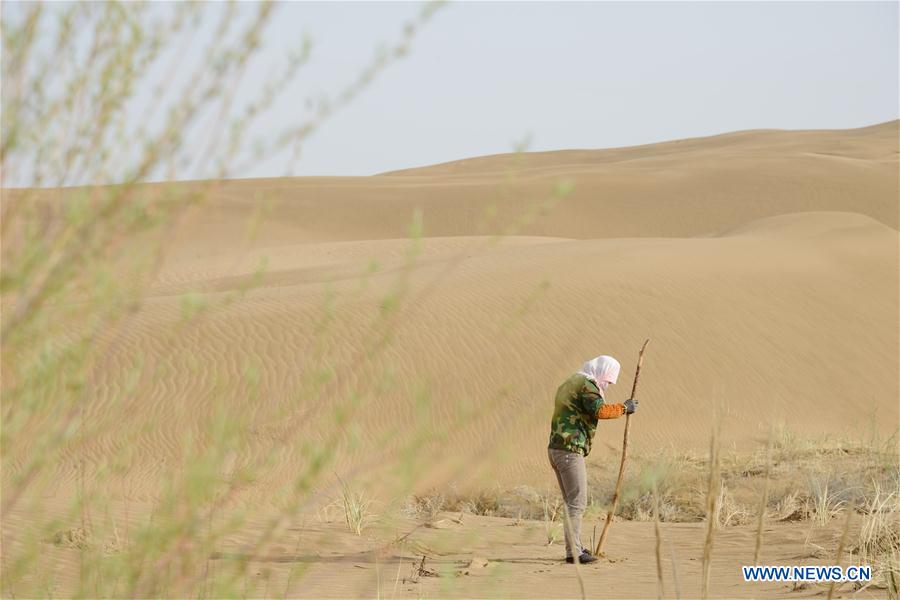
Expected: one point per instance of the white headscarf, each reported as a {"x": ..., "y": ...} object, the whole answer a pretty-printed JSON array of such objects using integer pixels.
[{"x": 603, "y": 370}]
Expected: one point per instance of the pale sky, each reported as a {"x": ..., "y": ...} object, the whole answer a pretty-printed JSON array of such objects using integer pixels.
[
  {"x": 484, "y": 75},
  {"x": 590, "y": 75}
]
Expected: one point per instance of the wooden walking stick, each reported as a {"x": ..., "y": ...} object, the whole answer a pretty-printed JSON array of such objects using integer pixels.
[{"x": 615, "y": 498}]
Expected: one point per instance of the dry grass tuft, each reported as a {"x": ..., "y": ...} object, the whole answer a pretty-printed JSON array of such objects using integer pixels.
[
  {"x": 425, "y": 506},
  {"x": 76, "y": 539},
  {"x": 790, "y": 508},
  {"x": 677, "y": 480},
  {"x": 878, "y": 543},
  {"x": 552, "y": 506},
  {"x": 823, "y": 505},
  {"x": 728, "y": 511},
  {"x": 79, "y": 538},
  {"x": 356, "y": 509}
]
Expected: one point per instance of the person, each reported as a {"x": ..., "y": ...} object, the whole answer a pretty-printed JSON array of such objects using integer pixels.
[{"x": 579, "y": 405}]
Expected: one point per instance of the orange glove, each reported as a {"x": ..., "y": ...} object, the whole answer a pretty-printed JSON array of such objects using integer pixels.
[{"x": 611, "y": 411}]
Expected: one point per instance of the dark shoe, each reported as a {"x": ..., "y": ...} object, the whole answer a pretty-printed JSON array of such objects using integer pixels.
[{"x": 585, "y": 558}]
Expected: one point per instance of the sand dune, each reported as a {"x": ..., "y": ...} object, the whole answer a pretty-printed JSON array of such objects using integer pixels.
[
  {"x": 763, "y": 264},
  {"x": 683, "y": 188},
  {"x": 676, "y": 189}
]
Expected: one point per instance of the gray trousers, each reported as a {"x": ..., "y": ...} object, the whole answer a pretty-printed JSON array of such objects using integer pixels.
[{"x": 572, "y": 477}]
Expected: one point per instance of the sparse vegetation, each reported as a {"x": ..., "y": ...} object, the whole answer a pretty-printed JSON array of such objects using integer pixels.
[
  {"x": 356, "y": 508},
  {"x": 878, "y": 542},
  {"x": 796, "y": 493},
  {"x": 78, "y": 259},
  {"x": 552, "y": 506},
  {"x": 728, "y": 510},
  {"x": 425, "y": 506},
  {"x": 822, "y": 505}
]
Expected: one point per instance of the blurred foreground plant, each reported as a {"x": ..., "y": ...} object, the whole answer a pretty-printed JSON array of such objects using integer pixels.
[{"x": 95, "y": 94}]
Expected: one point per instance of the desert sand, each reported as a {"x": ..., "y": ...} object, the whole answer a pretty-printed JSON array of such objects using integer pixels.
[{"x": 763, "y": 265}]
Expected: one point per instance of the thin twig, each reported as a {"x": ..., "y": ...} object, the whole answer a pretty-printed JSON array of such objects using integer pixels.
[
  {"x": 675, "y": 579},
  {"x": 840, "y": 549},
  {"x": 712, "y": 502},
  {"x": 763, "y": 502},
  {"x": 660, "y": 590}
]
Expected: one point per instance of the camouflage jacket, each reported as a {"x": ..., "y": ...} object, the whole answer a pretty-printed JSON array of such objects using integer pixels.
[{"x": 579, "y": 405}]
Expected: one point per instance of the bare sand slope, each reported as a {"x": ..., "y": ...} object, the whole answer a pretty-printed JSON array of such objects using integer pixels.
[
  {"x": 764, "y": 266},
  {"x": 680, "y": 188},
  {"x": 757, "y": 308},
  {"x": 484, "y": 557},
  {"x": 790, "y": 320},
  {"x": 489, "y": 557},
  {"x": 761, "y": 298}
]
